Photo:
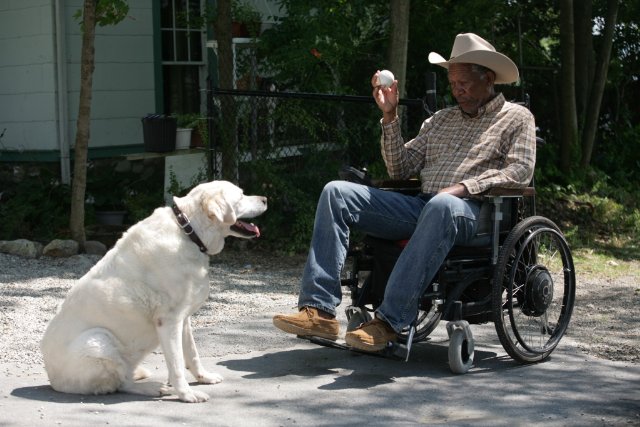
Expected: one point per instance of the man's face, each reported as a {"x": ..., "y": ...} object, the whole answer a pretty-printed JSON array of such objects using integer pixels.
[{"x": 470, "y": 88}]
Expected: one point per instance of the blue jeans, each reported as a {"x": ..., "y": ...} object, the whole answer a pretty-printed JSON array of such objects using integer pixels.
[{"x": 432, "y": 223}]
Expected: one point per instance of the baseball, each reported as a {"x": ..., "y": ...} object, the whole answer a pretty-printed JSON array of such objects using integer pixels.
[{"x": 385, "y": 78}]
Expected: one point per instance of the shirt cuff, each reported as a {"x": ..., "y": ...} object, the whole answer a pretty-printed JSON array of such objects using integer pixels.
[
  {"x": 391, "y": 125},
  {"x": 472, "y": 186}
]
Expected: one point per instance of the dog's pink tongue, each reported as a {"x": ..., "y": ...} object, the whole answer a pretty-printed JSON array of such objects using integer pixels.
[{"x": 249, "y": 228}]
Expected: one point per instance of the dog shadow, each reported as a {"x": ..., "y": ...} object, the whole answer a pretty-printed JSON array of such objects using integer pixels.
[
  {"x": 45, "y": 393},
  {"x": 352, "y": 370}
]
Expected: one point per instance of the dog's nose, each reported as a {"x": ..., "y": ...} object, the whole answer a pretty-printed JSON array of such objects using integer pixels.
[{"x": 264, "y": 200}]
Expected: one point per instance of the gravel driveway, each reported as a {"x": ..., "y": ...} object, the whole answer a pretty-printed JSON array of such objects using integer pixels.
[{"x": 244, "y": 285}]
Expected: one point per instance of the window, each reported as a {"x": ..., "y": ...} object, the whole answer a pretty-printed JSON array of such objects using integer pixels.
[{"x": 183, "y": 64}]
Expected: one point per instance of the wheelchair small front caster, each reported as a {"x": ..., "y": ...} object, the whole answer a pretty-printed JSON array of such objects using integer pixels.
[{"x": 461, "y": 346}]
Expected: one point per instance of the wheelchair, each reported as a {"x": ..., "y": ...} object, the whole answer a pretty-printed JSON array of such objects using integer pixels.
[{"x": 517, "y": 272}]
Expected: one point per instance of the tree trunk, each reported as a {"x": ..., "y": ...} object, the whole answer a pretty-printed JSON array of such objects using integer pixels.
[
  {"x": 87, "y": 65},
  {"x": 227, "y": 135},
  {"x": 584, "y": 54},
  {"x": 569, "y": 120},
  {"x": 399, "y": 42},
  {"x": 599, "y": 80}
]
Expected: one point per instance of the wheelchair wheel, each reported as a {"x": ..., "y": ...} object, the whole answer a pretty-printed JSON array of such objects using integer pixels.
[
  {"x": 533, "y": 290},
  {"x": 426, "y": 322},
  {"x": 461, "y": 350}
]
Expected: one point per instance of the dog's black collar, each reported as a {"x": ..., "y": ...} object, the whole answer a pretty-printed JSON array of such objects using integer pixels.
[{"x": 184, "y": 223}]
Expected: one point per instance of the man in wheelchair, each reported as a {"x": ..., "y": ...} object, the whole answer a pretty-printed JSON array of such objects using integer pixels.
[{"x": 460, "y": 153}]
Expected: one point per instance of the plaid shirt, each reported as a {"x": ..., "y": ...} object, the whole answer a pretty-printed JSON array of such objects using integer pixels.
[{"x": 497, "y": 148}]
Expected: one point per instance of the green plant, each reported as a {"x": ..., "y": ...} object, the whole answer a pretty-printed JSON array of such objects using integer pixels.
[
  {"x": 188, "y": 121},
  {"x": 115, "y": 185},
  {"x": 178, "y": 189},
  {"x": 241, "y": 12},
  {"x": 107, "y": 188},
  {"x": 246, "y": 14},
  {"x": 35, "y": 206},
  {"x": 292, "y": 187}
]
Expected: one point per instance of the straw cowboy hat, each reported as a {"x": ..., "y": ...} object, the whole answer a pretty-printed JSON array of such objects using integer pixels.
[{"x": 472, "y": 49}]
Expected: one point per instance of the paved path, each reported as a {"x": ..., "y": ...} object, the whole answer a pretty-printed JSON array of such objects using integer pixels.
[{"x": 285, "y": 381}]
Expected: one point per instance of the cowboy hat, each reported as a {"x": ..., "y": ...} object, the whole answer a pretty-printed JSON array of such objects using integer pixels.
[{"x": 472, "y": 49}]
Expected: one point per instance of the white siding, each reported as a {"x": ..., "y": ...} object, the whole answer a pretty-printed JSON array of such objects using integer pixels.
[
  {"x": 27, "y": 75},
  {"x": 123, "y": 81}
]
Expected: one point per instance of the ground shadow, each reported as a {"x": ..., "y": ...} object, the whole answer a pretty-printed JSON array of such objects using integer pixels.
[
  {"x": 426, "y": 360},
  {"x": 45, "y": 393}
]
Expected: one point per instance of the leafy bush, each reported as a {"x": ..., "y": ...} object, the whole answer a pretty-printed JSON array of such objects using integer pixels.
[
  {"x": 292, "y": 187},
  {"x": 600, "y": 217},
  {"x": 33, "y": 206}
]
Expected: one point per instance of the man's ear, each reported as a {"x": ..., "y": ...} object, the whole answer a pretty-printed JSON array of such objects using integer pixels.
[
  {"x": 218, "y": 208},
  {"x": 491, "y": 77}
]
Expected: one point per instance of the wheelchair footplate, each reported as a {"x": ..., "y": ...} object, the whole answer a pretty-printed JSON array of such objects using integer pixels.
[{"x": 393, "y": 350}]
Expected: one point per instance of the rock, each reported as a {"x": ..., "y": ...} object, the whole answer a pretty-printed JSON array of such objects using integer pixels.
[
  {"x": 21, "y": 247},
  {"x": 61, "y": 248},
  {"x": 94, "y": 247}
]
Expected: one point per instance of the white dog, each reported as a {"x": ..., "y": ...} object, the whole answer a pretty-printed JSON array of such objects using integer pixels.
[{"x": 142, "y": 293}]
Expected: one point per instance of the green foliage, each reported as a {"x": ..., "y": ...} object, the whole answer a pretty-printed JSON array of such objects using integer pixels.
[
  {"x": 108, "y": 12},
  {"x": 178, "y": 189},
  {"x": 327, "y": 47},
  {"x": 597, "y": 216},
  {"x": 187, "y": 121},
  {"x": 292, "y": 187},
  {"x": 34, "y": 206},
  {"x": 241, "y": 11},
  {"x": 114, "y": 185}
]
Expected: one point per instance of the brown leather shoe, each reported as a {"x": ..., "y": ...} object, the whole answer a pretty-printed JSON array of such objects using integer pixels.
[
  {"x": 371, "y": 336},
  {"x": 308, "y": 322}
]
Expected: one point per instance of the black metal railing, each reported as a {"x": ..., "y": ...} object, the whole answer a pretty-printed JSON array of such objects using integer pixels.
[{"x": 249, "y": 126}]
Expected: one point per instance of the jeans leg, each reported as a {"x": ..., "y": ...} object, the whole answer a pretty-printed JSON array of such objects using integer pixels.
[
  {"x": 343, "y": 205},
  {"x": 445, "y": 220}
]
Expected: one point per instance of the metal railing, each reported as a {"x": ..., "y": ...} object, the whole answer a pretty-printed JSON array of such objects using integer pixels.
[{"x": 248, "y": 126}]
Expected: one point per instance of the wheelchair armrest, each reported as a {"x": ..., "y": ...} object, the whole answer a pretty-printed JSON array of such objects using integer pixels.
[{"x": 511, "y": 192}]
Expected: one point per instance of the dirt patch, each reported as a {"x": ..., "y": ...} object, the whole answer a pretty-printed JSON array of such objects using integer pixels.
[{"x": 606, "y": 316}]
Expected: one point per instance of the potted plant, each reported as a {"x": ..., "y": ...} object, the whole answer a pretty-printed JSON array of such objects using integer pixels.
[
  {"x": 185, "y": 125},
  {"x": 108, "y": 203},
  {"x": 246, "y": 20},
  {"x": 107, "y": 189},
  {"x": 200, "y": 134}
]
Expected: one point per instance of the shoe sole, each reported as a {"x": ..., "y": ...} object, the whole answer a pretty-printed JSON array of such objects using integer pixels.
[
  {"x": 296, "y": 330},
  {"x": 359, "y": 345}
]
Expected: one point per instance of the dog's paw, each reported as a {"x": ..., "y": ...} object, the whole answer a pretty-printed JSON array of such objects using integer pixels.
[
  {"x": 209, "y": 378},
  {"x": 193, "y": 396}
]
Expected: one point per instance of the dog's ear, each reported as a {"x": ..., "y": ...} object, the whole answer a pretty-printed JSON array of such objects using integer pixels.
[{"x": 218, "y": 208}]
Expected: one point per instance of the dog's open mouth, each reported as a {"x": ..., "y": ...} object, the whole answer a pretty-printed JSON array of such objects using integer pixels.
[{"x": 246, "y": 229}]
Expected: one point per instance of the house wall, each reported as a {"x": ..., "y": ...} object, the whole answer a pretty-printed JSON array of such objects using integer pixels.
[
  {"x": 27, "y": 75},
  {"x": 123, "y": 80},
  {"x": 30, "y": 79}
]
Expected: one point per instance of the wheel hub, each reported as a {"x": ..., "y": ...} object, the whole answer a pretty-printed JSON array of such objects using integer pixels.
[{"x": 538, "y": 292}]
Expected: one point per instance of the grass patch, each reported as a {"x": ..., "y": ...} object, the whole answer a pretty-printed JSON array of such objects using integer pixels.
[{"x": 594, "y": 262}]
